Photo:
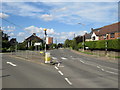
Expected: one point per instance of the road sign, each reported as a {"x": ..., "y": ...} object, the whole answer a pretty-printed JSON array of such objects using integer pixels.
[{"x": 37, "y": 44}]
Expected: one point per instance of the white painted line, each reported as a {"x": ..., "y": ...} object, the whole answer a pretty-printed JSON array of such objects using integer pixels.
[
  {"x": 11, "y": 64},
  {"x": 89, "y": 64},
  {"x": 63, "y": 58},
  {"x": 56, "y": 67},
  {"x": 82, "y": 61},
  {"x": 98, "y": 66},
  {"x": 60, "y": 66},
  {"x": 68, "y": 81},
  {"x": 60, "y": 72},
  {"x": 109, "y": 67},
  {"x": 112, "y": 72},
  {"x": 102, "y": 69},
  {"x": 54, "y": 58}
]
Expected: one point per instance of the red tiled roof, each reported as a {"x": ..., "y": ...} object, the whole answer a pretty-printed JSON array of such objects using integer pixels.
[
  {"x": 96, "y": 32},
  {"x": 110, "y": 28}
]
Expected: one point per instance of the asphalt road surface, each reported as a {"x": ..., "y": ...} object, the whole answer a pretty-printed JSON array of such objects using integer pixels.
[{"x": 74, "y": 71}]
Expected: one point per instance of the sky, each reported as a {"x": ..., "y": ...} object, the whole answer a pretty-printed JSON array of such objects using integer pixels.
[{"x": 61, "y": 19}]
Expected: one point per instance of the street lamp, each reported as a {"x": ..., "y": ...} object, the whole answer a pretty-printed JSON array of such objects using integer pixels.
[
  {"x": 83, "y": 37},
  {"x": 45, "y": 38}
]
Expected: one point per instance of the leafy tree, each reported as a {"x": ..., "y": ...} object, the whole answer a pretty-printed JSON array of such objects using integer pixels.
[
  {"x": 5, "y": 42},
  {"x": 79, "y": 39},
  {"x": 60, "y": 45},
  {"x": 67, "y": 43}
]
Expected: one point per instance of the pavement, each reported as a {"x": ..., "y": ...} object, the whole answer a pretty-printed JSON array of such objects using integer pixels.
[{"x": 74, "y": 71}]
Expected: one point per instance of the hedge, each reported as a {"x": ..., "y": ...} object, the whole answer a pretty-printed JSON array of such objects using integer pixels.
[{"x": 101, "y": 44}]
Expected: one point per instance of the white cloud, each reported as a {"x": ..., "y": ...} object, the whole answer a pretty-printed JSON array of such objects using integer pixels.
[
  {"x": 61, "y": 36},
  {"x": 21, "y": 9},
  {"x": 66, "y": 12},
  {"x": 20, "y": 34},
  {"x": 3, "y": 15},
  {"x": 11, "y": 34},
  {"x": 46, "y": 17},
  {"x": 33, "y": 29},
  {"x": 60, "y": 1}
]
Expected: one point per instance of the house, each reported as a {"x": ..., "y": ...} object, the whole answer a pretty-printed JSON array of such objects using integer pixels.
[
  {"x": 88, "y": 37},
  {"x": 30, "y": 41},
  {"x": 13, "y": 41},
  {"x": 106, "y": 33},
  {"x": 110, "y": 32},
  {"x": 49, "y": 40}
]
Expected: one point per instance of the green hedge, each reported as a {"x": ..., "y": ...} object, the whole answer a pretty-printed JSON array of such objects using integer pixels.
[{"x": 101, "y": 44}]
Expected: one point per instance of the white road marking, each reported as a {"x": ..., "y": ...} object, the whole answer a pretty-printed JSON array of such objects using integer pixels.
[
  {"x": 108, "y": 67},
  {"x": 60, "y": 72},
  {"x": 68, "y": 81},
  {"x": 112, "y": 72},
  {"x": 58, "y": 64},
  {"x": 54, "y": 58},
  {"x": 11, "y": 64},
  {"x": 63, "y": 58},
  {"x": 82, "y": 61},
  {"x": 98, "y": 66},
  {"x": 102, "y": 69},
  {"x": 56, "y": 67}
]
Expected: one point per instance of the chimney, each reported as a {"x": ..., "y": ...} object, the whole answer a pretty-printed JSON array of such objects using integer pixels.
[{"x": 34, "y": 34}]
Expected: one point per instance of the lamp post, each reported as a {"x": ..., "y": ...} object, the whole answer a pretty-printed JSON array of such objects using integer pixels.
[
  {"x": 83, "y": 36},
  {"x": 45, "y": 38}
]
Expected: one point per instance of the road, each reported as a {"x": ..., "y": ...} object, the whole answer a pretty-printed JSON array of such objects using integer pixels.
[{"x": 75, "y": 71}]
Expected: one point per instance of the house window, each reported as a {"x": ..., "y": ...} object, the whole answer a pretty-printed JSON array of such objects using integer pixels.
[{"x": 112, "y": 35}]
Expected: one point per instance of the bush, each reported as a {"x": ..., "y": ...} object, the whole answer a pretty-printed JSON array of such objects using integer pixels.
[
  {"x": 101, "y": 44},
  {"x": 80, "y": 45},
  {"x": 90, "y": 44}
]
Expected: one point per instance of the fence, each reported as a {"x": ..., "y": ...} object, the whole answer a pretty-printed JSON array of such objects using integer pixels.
[
  {"x": 33, "y": 55},
  {"x": 110, "y": 54}
]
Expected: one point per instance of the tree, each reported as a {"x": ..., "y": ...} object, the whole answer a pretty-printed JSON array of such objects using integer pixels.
[
  {"x": 21, "y": 46},
  {"x": 79, "y": 39},
  {"x": 60, "y": 45},
  {"x": 5, "y": 42},
  {"x": 67, "y": 43}
]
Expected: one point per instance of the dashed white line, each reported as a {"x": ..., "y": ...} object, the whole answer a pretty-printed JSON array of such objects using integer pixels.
[
  {"x": 109, "y": 67},
  {"x": 98, "y": 66},
  {"x": 102, "y": 69},
  {"x": 56, "y": 67},
  {"x": 82, "y": 61},
  {"x": 63, "y": 58},
  {"x": 111, "y": 72},
  {"x": 60, "y": 72},
  {"x": 68, "y": 81},
  {"x": 54, "y": 58},
  {"x": 11, "y": 64}
]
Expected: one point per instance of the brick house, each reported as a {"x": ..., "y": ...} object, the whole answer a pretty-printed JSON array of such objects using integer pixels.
[
  {"x": 110, "y": 32},
  {"x": 107, "y": 32}
]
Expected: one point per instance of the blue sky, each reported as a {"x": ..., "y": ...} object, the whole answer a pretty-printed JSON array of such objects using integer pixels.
[{"x": 60, "y": 18}]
